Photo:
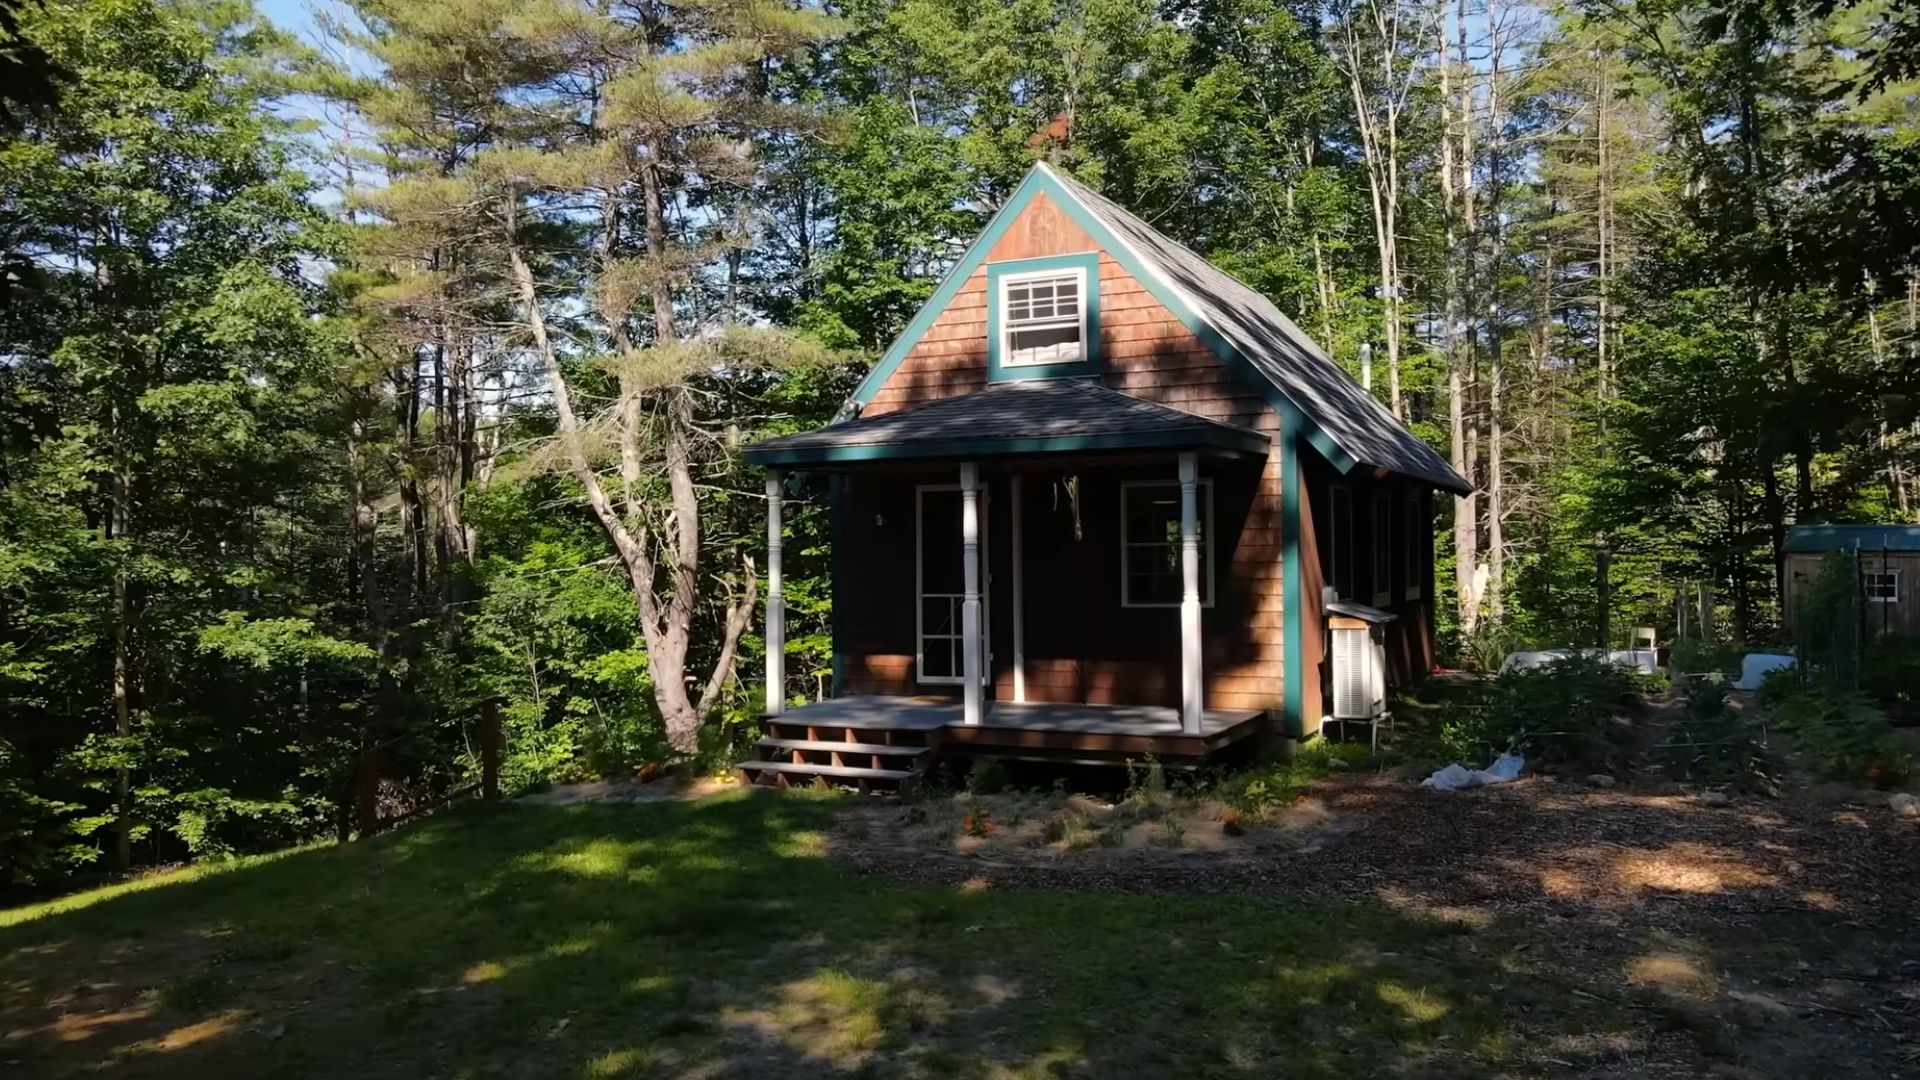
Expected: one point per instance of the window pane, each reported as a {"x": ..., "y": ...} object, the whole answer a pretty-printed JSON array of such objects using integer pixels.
[
  {"x": 1044, "y": 345},
  {"x": 937, "y": 660},
  {"x": 1152, "y": 549},
  {"x": 936, "y": 616},
  {"x": 1041, "y": 317}
]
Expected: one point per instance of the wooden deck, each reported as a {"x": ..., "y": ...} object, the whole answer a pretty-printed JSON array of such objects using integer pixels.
[{"x": 1030, "y": 729}]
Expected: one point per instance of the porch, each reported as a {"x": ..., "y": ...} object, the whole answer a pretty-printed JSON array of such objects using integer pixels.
[
  {"x": 1040, "y": 570},
  {"x": 890, "y": 742}
]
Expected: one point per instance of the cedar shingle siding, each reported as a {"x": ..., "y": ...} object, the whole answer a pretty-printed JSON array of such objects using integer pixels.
[{"x": 1081, "y": 644}]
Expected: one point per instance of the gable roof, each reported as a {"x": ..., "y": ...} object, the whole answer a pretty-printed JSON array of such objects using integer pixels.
[
  {"x": 1868, "y": 538},
  {"x": 1027, "y": 417},
  {"x": 1242, "y": 327}
]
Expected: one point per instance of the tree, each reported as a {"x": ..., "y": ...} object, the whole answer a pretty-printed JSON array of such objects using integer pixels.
[{"x": 163, "y": 384}]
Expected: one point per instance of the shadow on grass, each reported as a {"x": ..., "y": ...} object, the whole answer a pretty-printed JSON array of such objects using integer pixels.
[{"x": 714, "y": 938}]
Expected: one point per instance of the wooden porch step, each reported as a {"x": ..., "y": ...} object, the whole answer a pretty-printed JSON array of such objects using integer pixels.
[
  {"x": 834, "y": 733},
  {"x": 785, "y": 773},
  {"x": 845, "y": 747},
  {"x": 845, "y": 772}
]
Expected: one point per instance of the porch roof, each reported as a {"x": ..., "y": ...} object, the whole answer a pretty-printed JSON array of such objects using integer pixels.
[{"x": 1040, "y": 416}]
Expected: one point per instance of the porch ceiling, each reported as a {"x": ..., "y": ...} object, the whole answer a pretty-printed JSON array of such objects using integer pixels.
[{"x": 1050, "y": 416}]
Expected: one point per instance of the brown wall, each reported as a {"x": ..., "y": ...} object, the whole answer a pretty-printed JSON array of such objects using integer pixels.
[
  {"x": 1409, "y": 638},
  {"x": 1900, "y": 617},
  {"x": 1145, "y": 349},
  {"x": 1082, "y": 645}
]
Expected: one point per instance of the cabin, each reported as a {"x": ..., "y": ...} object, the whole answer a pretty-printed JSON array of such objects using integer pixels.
[
  {"x": 1093, "y": 506},
  {"x": 1886, "y": 559}
]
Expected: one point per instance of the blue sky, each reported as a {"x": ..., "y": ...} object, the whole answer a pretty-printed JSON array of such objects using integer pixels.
[{"x": 294, "y": 15}]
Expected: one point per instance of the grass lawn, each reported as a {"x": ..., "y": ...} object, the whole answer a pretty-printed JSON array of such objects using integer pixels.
[{"x": 716, "y": 938}]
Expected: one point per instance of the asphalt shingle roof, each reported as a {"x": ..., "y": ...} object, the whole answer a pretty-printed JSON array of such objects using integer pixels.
[
  {"x": 1259, "y": 331},
  {"x": 1034, "y": 416},
  {"x": 1814, "y": 538}
]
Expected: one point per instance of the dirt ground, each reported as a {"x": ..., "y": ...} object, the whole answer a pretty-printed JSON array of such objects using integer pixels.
[{"x": 1777, "y": 933}]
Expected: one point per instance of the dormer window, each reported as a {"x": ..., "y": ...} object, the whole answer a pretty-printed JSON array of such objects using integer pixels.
[{"x": 1043, "y": 318}]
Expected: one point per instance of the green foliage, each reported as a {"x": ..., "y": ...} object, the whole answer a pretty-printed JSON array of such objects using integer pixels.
[
  {"x": 987, "y": 776},
  {"x": 1713, "y": 743},
  {"x": 1257, "y": 792},
  {"x": 1694, "y": 656},
  {"x": 1842, "y": 734},
  {"x": 1829, "y": 634},
  {"x": 1570, "y": 713}
]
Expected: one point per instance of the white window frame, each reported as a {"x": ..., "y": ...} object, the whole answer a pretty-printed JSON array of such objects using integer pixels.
[
  {"x": 1893, "y": 583},
  {"x": 1418, "y": 529},
  {"x": 959, "y": 677},
  {"x": 1203, "y": 495},
  {"x": 1337, "y": 494},
  {"x": 1007, "y": 359},
  {"x": 1382, "y": 553}
]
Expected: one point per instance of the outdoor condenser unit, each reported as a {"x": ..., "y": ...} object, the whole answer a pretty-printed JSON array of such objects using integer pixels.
[{"x": 1358, "y": 653}]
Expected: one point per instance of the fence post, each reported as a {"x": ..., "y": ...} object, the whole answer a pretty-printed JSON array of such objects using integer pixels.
[{"x": 490, "y": 749}]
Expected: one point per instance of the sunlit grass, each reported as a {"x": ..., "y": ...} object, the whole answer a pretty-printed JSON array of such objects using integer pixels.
[
  {"x": 161, "y": 880},
  {"x": 706, "y": 938}
]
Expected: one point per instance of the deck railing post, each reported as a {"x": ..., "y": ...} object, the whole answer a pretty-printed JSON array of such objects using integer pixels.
[
  {"x": 1191, "y": 687},
  {"x": 776, "y": 603},
  {"x": 970, "y": 605}
]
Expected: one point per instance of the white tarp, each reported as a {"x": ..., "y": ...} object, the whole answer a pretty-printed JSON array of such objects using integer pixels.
[
  {"x": 1646, "y": 661},
  {"x": 1754, "y": 667},
  {"x": 1457, "y": 777}
]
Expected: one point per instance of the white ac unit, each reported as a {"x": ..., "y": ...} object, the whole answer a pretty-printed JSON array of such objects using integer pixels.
[{"x": 1359, "y": 673}]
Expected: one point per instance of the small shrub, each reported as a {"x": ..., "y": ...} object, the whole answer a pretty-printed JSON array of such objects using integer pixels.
[
  {"x": 1173, "y": 832},
  {"x": 1487, "y": 648},
  {"x": 1891, "y": 673},
  {"x": 977, "y": 822},
  {"x": 1258, "y": 792},
  {"x": 1146, "y": 781},
  {"x": 1692, "y": 656},
  {"x": 1565, "y": 712},
  {"x": 1712, "y": 743},
  {"x": 1075, "y": 831},
  {"x": 1845, "y": 737},
  {"x": 987, "y": 777}
]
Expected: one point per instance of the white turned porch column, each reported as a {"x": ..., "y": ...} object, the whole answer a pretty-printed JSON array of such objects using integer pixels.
[
  {"x": 970, "y": 666},
  {"x": 776, "y": 603},
  {"x": 1191, "y": 692},
  {"x": 1019, "y": 601}
]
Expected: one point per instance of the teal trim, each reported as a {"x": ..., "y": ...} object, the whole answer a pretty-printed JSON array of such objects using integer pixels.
[
  {"x": 836, "y": 493},
  {"x": 1041, "y": 181},
  {"x": 1803, "y": 539},
  {"x": 970, "y": 261},
  {"x": 1294, "y": 670},
  {"x": 1088, "y": 263},
  {"x": 1210, "y": 437}
]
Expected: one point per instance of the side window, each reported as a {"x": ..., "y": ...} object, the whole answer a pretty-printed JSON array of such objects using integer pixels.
[
  {"x": 1340, "y": 540},
  {"x": 1418, "y": 533},
  {"x": 1382, "y": 547}
]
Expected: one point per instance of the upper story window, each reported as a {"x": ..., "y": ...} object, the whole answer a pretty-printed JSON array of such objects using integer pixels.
[{"x": 1043, "y": 318}]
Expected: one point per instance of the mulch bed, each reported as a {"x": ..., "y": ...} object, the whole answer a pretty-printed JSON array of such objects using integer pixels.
[{"x": 1537, "y": 847}]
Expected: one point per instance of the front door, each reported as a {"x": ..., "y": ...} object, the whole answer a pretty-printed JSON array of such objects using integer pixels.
[{"x": 939, "y": 571}]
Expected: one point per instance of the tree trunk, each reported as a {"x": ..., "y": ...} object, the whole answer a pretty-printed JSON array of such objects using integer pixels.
[
  {"x": 1496, "y": 433},
  {"x": 122, "y": 664}
]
